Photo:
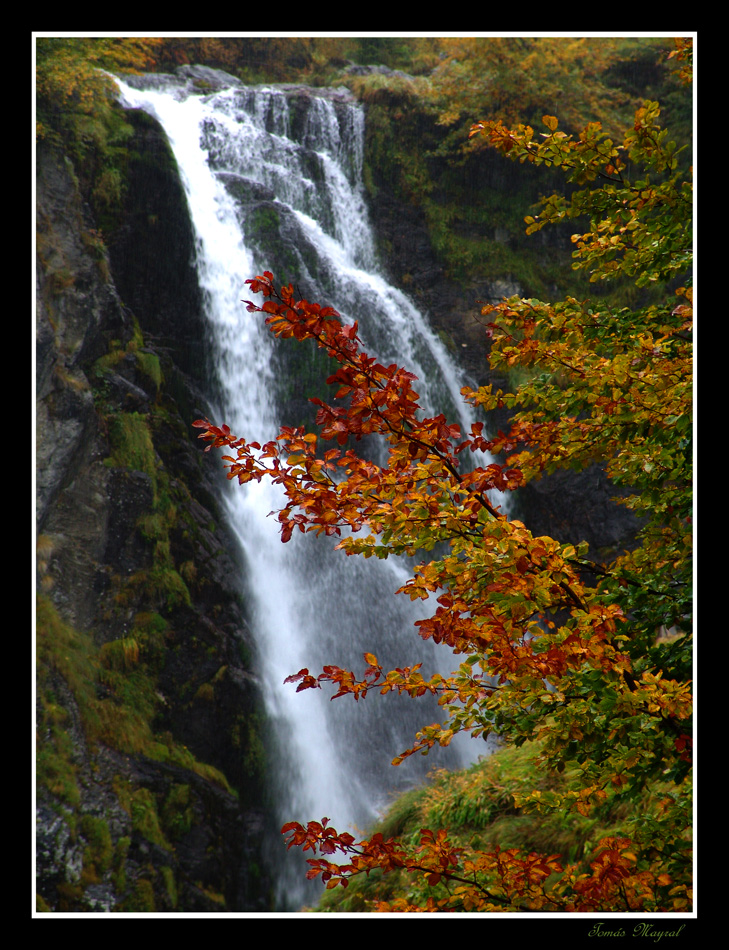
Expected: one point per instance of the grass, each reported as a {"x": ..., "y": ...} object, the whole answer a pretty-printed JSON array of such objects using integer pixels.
[{"x": 476, "y": 807}]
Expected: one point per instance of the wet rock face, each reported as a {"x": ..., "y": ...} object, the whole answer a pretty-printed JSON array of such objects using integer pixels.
[
  {"x": 77, "y": 313},
  {"x": 150, "y": 767},
  {"x": 579, "y": 506},
  {"x": 567, "y": 505},
  {"x": 453, "y": 308},
  {"x": 152, "y": 251}
]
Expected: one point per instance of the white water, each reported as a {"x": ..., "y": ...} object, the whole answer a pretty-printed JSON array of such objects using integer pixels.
[{"x": 309, "y": 605}]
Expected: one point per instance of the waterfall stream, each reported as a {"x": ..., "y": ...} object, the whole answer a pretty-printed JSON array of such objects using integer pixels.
[{"x": 273, "y": 181}]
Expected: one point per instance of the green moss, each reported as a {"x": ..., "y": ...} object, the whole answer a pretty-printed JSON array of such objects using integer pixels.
[
  {"x": 141, "y": 805},
  {"x": 120, "y": 655},
  {"x": 134, "y": 690},
  {"x": 164, "y": 586},
  {"x": 265, "y": 219},
  {"x": 108, "y": 190},
  {"x": 168, "y": 876},
  {"x": 55, "y": 769},
  {"x": 141, "y": 899},
  {"x": 131, "y": 443},
  {"x": 164, "y": 749},
  {"x": 154, "y": 526},
  {"x": 125, "y": 728},
  {"x": 99, "y": 852},
  {"x": 122, "y": 719},
  {"x": 215, "y": 896},
  {"x": 159, "y": 586},
  {"x": 131, "y": 440},
  {"x": 70, "y": 896},
  {"x": 145, "y": 818},
  {"x": 177, "y": 813},
  {"x": 188, "y": 572},
  {"x": 148, "y": 362},
  {"x": 150, "y": 631},
  {"x": 254, "y": 760},
  {"x": 63, "y": 650},
  {"x": 149, "y": 365},
  {"x": 41, "y": 907},
  {"x": 105, "y": 364},
  {"x": 246, "y": 654},
  {"x": 119, "y": 864},
  {"x": 205, "y": 693}
]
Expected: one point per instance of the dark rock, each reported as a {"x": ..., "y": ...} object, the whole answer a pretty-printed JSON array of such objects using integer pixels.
[
  {"x": 208, "y": 78},
  {"x": 355, "y": 69},
  {"x": 152, "y": 251},
  {"x": 579, "y": 506},
  {"x": 567, "y": 505}
]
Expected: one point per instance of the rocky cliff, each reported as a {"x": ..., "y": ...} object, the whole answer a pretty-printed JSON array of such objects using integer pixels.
[{"x": 150, "y": 736}]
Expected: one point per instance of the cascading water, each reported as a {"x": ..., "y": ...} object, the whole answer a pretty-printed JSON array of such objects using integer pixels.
[{"x": 273, "y": 180}]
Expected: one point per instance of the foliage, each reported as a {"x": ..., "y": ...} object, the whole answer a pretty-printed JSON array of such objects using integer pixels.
[
  {"x": 518, "y": 78},
  {"x": 476, "y": 807},
  {"x": 683, "y": 53},
  {"x": 258, "y": 58},
  {"x": 593, "y": 662},
  {"x": 418, "y": 146},
  {"x": 75, "y": 99},
  {"x": 316, "y": 60},
  {"x": 71, "y": 80}
]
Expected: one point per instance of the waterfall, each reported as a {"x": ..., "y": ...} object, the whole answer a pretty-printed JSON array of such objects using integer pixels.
[{"x": 273, "y": 181}]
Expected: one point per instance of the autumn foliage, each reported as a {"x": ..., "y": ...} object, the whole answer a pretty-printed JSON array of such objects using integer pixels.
[
  {"x": 592, "y": 661},
  {"x": 72, "y": 81}
]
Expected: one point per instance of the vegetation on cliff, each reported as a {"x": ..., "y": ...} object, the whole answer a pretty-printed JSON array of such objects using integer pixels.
[
  {"x": 75, "y": 105},
  {"x": 121, "y": 698},
  {"x": 420, "y": 150}
]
